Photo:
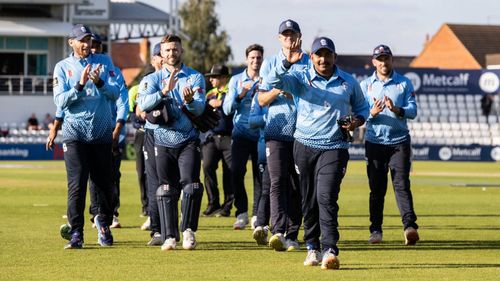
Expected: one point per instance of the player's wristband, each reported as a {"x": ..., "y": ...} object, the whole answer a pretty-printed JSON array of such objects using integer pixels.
[
  {"x": 79, "y": 87},
  {"x": 287, "y": 64},
  {"x": 401, "y": 112},
  {"x": 99, "y": 83}
]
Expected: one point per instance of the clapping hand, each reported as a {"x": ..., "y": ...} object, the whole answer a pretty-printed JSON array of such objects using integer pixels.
[
  {"x": 94, "y": 74},
  {"x": 171, "y": 82},
  {"x": 378, "y": 106}
]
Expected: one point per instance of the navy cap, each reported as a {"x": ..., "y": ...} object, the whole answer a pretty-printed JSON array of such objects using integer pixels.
[
  {"x": 79, "y": 31},
  {"x": 157, "y": 49},
  {"x": 218, "y": 70},
  {"x": 322, "y": 43},
  {"x": 158, "y": 115},
  {"x": 289, "y": 25},
  {"x": 96, "y": 38},
  {"x": 381, "y": 50}
]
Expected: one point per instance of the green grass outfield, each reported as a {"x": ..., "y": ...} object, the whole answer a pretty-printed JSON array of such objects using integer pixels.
[{"x": 459, "y": 230}]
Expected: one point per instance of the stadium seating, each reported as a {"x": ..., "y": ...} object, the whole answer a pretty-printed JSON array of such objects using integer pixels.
[{"x": 454, "y": 119}]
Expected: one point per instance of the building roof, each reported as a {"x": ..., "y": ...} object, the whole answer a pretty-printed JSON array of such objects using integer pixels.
[
  {"x": 132, "y": 11},
  {"x": 479, "y": 40}
]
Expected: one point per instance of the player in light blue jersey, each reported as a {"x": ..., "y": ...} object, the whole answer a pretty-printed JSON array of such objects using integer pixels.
[
  {"x": 148, "y": 150},
  {"x": 242, "y": 88},
  {"x": 285, "y": 199},
  {"x": 84, "y": 85},
  {"x": 119, "y": 109},
  {"x": 388, "y": 144},
  {"x": 325, "y": 94},
  {"x": 177, "y": 147},
  {"x": 257, "y": 119}
]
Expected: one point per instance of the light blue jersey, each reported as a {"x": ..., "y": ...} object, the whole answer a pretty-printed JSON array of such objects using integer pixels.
[
  {"x": 320, "y": 103},
  {"x": 257, "y": 119},
  {"x": 87, "y": 114},
  {"x": 241, "y": 108},
  {"x": 282, "y": 114},
  {"x": 148, "y": 125},
  {"x": 387, "y": 128},
  {"x": 180, "y": 130},
  {"x": 120, "y": 107}
]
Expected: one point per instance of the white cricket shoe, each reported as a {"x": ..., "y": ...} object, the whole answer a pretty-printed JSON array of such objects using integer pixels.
[
  {"x": 169, "y": 244},
  {"x": 146, "y": 225},
  {"x": 188, "y": 239},
  {"x": 313, "y": 258},
  {"x": 241, "y": 221},
  {"x": 260, "y": 235}
]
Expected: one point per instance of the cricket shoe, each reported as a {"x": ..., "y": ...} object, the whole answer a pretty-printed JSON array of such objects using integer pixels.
[
  {"x": 116, "y": 223},
  {"x": 278, "y": 242},
  {"x": 155, "y": 240},
  {"x": 330, "y": 260},
  {"x": 241, "y": 221},
  {"x": 188, "y": 239},
  {"x": 375, "y": 237},
  {"x": 313, "y": 258},
  {"x": 76, "y": 241},
  {"x": 169, "y": 244},
  {"x": 260, "y": 235},
  {"x": 104, "y": 236},
  {"x": 411, "y": 236}
]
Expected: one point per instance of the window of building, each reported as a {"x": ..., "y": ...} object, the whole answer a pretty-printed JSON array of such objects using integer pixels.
[{"x": 37, "y": 64}]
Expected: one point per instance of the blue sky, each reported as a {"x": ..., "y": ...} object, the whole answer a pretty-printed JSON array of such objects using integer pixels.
[{"x": 356, "y": 26}]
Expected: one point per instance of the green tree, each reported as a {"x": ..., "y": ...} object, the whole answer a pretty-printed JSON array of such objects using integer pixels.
[{"x": 205, "y": 45}]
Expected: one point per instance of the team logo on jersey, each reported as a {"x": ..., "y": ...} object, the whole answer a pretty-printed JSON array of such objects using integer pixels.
[
  {"x": 89, "y": 91},
  {"x": 112, "y": 73},
  {"x": 70, "y": 73},
  {"x": 55, "y": 82}
]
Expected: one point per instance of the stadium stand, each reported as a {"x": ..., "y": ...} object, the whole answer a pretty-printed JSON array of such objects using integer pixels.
[{"x": 454, "y": 119}]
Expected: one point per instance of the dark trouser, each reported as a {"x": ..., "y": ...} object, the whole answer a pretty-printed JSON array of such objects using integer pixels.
[
  {"x": 140, "y": 168},
  {"x": 286, "y": 213},
  {"x": 241, "y": 149},
  {"x": 320, "y": 173},
  {"x": 116, "y": 175},
  {"x": 151, "y": 179},
  {"x": 397, "y": 159},
  {"x": 263, "y": 209},
  {"x": 178, "y": 168},
  {"x": 84, "y": 160},
  {"x": 215, "y": 149}
]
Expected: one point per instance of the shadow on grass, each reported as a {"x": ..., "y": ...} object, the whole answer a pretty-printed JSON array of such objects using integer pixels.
[
  {"x": 425, "y": 227},
  {"x": 420, "y": 266},
  {"x": 432, "y": 215},
  {"x": 362, "y": 245}
]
